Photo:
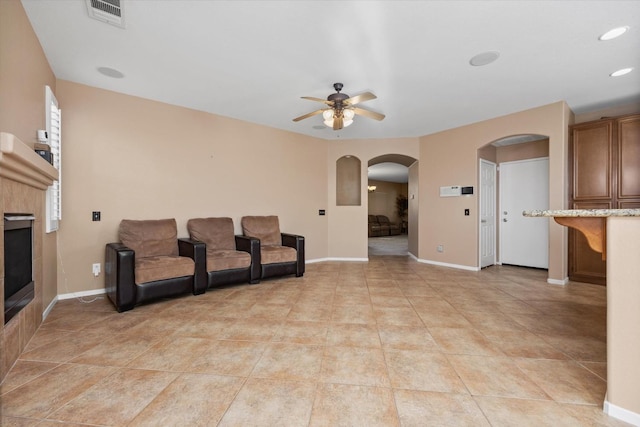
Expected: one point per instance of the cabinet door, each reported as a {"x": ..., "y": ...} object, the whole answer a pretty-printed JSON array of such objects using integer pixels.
[
  {"x": 585, "y": 264},
  {"x": 629, "y": 158},
  {"x": 591, "y": 161}
]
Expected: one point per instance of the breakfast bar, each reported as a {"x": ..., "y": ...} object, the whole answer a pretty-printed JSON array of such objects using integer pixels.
[{"x": 615, "y": 233}]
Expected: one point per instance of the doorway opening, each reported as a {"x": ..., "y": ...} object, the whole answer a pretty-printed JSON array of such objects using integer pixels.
[
  {"x": 391, "y": 208},
  {"x": 513, "y": 176}
]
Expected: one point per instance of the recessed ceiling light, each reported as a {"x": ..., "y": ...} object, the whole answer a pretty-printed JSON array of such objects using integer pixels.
[
  {"x": 612, "y": 34},
  {"x": 110, "y": 72},
  {"x": 484, "y": 58},
  {"x": 621, "y": 72}
]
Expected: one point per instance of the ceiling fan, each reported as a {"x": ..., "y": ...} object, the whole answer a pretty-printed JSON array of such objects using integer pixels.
[{"x": 341, "y": 108}]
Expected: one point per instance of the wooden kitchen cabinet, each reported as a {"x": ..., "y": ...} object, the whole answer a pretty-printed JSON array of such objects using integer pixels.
[{"x": 604, "y": 173}]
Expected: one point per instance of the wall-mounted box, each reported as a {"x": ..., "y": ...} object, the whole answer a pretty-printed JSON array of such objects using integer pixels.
[{"x": 450, "y": 191}]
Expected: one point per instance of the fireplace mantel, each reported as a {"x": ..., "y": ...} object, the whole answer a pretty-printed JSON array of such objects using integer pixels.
[{"x": 22, "y": 164}]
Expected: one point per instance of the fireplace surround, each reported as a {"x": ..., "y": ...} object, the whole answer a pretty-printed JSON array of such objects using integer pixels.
[{"x": 24, "y": 178}]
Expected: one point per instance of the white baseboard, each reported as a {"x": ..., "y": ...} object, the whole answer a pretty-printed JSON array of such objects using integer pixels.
[
  {"x": 71, "y": 295},
  {"x": 621, "y": 413},
  {"x": 558, "y": 282},
  {"x": 47, "y": 310},
  {"x": 82, "y": 294},
  {"x": 445, "y": 264}
]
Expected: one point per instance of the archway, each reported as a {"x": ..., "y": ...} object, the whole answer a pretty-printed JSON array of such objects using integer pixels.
[
  {"x": 392, "y": 193},
  {"x": 496, "y": 227}
]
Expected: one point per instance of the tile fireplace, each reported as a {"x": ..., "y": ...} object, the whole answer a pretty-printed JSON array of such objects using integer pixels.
[{"x": 24, "y": 178}]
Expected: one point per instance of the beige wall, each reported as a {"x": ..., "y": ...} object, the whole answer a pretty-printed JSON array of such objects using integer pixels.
[
  {"x": 25, "y": 72},
  {"x": 442, "y": 220},
  {"x": 524, "y": 151},
  {"x": 133, "y": 158},
  {"x": 348, "y": 224}
]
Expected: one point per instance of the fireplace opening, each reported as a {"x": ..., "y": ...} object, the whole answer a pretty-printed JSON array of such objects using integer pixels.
[{"x": 18, "y": 263}]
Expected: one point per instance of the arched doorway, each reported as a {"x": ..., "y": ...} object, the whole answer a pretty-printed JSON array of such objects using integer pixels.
[
  {"x": 519, "y": 182},
  {"x": 392, "y": 194}
]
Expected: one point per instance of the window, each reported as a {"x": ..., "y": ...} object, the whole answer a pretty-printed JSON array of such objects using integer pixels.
[{"x": 54, "y": 128}]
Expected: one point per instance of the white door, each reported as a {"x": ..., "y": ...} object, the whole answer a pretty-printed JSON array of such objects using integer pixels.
[
  {"x": 487, "y": 213},
  {"x": 524, "y": 185}
]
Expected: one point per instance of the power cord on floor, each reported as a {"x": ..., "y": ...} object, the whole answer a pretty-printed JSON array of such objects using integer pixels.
[{"x": 64, "y": 278}]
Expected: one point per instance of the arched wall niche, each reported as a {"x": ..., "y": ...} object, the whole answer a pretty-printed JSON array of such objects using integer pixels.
[{"x": 348, "y": 181}]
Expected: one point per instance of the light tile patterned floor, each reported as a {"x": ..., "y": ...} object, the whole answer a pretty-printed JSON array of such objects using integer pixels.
[{"x": 385, "y": 343}]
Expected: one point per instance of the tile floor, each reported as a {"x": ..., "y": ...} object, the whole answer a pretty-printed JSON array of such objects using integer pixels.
[{"x": 385, "y": 343}]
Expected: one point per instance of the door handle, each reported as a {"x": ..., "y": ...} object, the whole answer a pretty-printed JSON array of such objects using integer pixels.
[{"x": 484, "y": 221}]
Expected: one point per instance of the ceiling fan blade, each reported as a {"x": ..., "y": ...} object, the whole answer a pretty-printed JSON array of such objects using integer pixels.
[
  {"x": 337, "y": 123},
  {"x": 359, "y": 98},
  {"x": 369, "y": 114},
  {"x": 306, "y": 116},
  {"x": 324, "y": 101}
]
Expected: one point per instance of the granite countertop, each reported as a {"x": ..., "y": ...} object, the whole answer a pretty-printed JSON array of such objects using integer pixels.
[{"x": 582, "y": 213}]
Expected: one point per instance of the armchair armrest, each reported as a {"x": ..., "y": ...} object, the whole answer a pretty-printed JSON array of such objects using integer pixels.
[
  {"x": 197, "y": 251},
  {"x": 119, "y": 276},
  {"x": 297, "y": 242},
  {"x": 251, "y": 245}
]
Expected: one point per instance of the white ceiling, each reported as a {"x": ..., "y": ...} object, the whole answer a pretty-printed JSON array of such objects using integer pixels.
[{"x": 253, "y": 60}]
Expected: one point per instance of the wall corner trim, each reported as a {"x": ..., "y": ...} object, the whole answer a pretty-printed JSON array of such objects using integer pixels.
[
  {"x": 81, "y": 294},
  {"x": 445, "y": 264},
  {"x": 47, "y": 310},
  {"x": 621, "y": 413},
  {"x": 558, "y": 282}
]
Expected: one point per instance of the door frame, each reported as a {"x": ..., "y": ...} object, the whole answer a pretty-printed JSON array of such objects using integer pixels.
[{"x": 493, "y": 197}]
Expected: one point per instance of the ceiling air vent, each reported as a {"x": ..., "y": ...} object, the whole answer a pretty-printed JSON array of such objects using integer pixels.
[{"x": 109, "y": 11}]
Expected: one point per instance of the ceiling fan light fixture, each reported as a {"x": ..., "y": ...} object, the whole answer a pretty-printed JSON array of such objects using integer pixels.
[{"x": 347, "y": 117}]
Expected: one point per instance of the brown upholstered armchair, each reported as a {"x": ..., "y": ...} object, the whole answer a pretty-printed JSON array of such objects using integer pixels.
[
  {"x": 374, "y": 229},
  {"x": 392, "y": 229},
  {"x": 280, "y": 253},
  {"x": 150, "y": 262},
  {"x": 230, "y": 258}
]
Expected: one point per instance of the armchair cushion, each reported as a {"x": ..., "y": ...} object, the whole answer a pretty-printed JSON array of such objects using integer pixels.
[
  {"x": 219, "y": 260},
  {"x": 150, "y": 238},
  {"x": 216, "y": 233},
  {"x": 265, "y": 228},
  {"x": 150, "y": 269},
  {"x": 383, "y": 219},
  {"x": 272, "y": 254}
]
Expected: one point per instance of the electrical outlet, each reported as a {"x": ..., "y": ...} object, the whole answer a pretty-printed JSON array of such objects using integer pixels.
[
  {"x": 440, "y": 248},
  {"x": 96, "y": 269}
]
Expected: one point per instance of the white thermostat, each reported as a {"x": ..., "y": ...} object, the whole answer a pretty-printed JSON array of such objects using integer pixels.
[{"x": 450, "y": 191}]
